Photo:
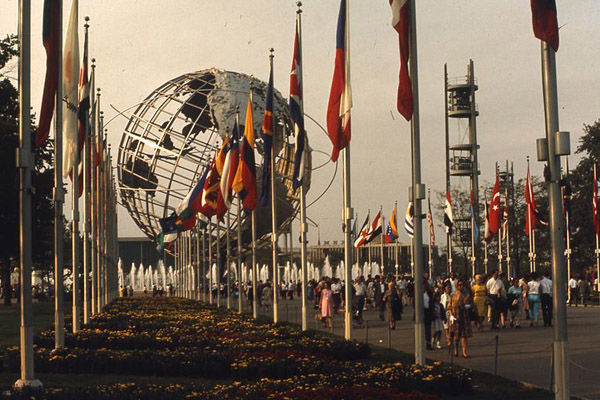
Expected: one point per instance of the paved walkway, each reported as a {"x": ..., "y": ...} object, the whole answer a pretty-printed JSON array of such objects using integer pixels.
[{"x": 523, "y": 354}]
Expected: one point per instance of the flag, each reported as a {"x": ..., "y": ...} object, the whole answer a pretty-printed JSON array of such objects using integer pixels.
[
  {"x": 267, "y": 136},
  {"x": 84, "y": 96},
  {"x": 409, "y": 222},
  {"x": 474, "y": 219},
  {"x": 232, "y": 158},
  {"x": 375, "y": 229},
  {"x": 244, "y": 183},
  {"x": 220, "y": 166},
  {"x": 51, "y": 39},
  {"x": 448, "y": 215},
  {"x": 340, "y": 96},
  {"x": 210, "y": 191},
  {"x": 595, "y": 215},
  {"x": 70, "y": 81},
  {"x": 545, "y": 21},
  {"x": 487, "y": 234},
  {"x": 297, "y": 109},
  {"x": 495, "y": 214},
  {"x": 192, "y": 202},
  {"x": 391, "y": 233},
  {"x": 401, "y": 23},
  {"x": 362, "y": 235},
  {"x": 531, "y": 211},
  {"x": 430, "y": 223}
]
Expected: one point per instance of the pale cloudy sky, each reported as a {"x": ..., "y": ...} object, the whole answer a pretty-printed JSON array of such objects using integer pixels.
[{"x": 141, "y": 44}]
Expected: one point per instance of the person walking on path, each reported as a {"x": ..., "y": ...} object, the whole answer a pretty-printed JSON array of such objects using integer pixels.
[
  {"x": 546, "y": 298},
  {"x": 445, "y": 302},
  {"x": 428, "y": 312},
  {"x": 439, "y": 319},
  {"x": 515, "y": 303},
  {"x": 494, "y": 287},
  {"x": 460, "y": 323},
  {"x": 393, "y": 305},
  {"x": 326, "y": 305},
  {"x": 379, "y": 288},
  {"x": 525, "y": 294},
  {"x": 583, "y": 289},
  {"x": 479, "y": 292},
  {"x": 267, "y": 296},
  {"x": 360, "y": 292},
  {"x": 573, "y": 291},
  {"x": 534, "y": 299}
]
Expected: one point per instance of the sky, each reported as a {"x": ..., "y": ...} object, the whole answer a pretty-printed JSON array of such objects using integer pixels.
[{"x": 139, "y": 45}]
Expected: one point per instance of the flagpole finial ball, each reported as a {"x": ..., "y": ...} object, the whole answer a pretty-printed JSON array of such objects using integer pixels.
[
  {"x": 93, "y": 62},
  {"x": 299, "y": 4}
]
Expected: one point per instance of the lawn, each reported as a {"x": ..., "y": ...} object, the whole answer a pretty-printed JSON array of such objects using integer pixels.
[{"x": 10, "y": 321}]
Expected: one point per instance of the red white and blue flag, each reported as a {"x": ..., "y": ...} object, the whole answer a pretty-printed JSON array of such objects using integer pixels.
[
  {"x": 545, "y": 21},
  {"x": 297, "y": 109},
  {"x": 401, "y": 23},
  {"x": 340, "y": 96},
  {"x": 595, "y": 215},
  {"x": 230, "y": 165},
  {"x": 192, "y": 202}
]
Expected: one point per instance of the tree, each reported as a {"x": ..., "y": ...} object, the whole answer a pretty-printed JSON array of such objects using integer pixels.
[
  {"x": 42, "y": 181},
  {"x": 583, "y": 236}
]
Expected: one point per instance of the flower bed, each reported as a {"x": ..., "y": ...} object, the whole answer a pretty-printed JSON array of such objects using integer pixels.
[{"x": 183, "y": 338}]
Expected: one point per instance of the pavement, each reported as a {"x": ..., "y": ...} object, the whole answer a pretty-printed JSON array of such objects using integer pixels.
[{"x": 523, "y": 354}]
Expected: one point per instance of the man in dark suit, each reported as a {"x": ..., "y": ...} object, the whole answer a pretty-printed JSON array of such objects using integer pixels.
[{"x": 379, "y": 287}]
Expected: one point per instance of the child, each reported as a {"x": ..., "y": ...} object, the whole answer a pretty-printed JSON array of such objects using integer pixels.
[{"x": 439, "y": 317}]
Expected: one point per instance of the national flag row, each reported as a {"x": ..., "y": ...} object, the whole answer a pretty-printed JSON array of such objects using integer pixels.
[
  {"x": 233, "y": 167},
  {"x": 371, "y": 230}
]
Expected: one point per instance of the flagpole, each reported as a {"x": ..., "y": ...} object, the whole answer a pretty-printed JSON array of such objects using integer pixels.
[
  {"x": 203, "y": 230},
  {"x": 218, "y": 262},
  {"x": 75, "y": 238},
  {"x": 567, "y": 227},
  {"x": 382, "y": 269},
  {"x": 529, "y": 230},
  {"x": 473, "y": 240},
  {"x": 25, "y": 166},
  {"x": 597, "y": 240},
  {"x": 430, "y": 262},
  {"x": 255, "y": 293},
  {"x": 347, "y": 212},
  {"x": 561, "y": 354},
  {"x": 274, "y": 213},
  {"x": 86, "y": 209},
  {"x": 239, "y": 252},
  {"x": 397, "y": 244},
  {"x": 303, "y": 225},
  {"x": 59, "y": 198},
  {"x": 210, "y": 259},
  {"x": 500, "y": 233},
  {"x": 507, "y": 224},
  {"x": 228, "y": 260},
  {"x": 99, "y": 207},
  {"x": 92, "y": 195},
  {"x": 417, "y": 193}
]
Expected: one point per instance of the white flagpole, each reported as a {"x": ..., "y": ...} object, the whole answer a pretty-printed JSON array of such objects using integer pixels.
[
  {"x": 303, "y": 225},
  {"x": 86, "y": 208},
  {"x": 274, "y": 215},
  {"x": 218, "y": 262},
  {"x": 239, "y": 252},
  {"x": 25, "y": 165},
  {"x": 210, "y": 263},
  {"x": 228, "y": 260},
  {"x": 597, "y": 240},
  {"x": 255, "y": 293},
  {"x": 59, "y": 199}
]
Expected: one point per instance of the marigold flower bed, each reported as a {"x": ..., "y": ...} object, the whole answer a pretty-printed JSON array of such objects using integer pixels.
[{"x": 184, "y": 338}]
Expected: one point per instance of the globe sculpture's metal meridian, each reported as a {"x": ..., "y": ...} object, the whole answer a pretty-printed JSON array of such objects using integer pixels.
[{"x": 174, "y": 134}]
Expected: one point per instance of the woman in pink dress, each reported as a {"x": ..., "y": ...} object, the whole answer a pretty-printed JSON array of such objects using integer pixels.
[{"x": 326, "y": 304}]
